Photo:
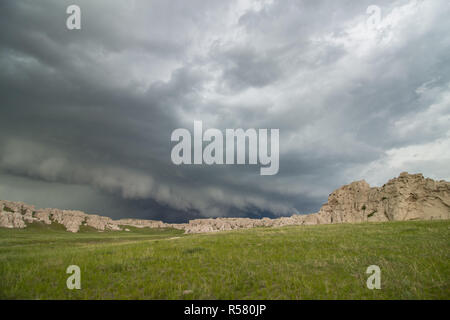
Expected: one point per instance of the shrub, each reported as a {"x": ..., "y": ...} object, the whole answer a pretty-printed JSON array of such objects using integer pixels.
[{"x": 371, "y": 214}]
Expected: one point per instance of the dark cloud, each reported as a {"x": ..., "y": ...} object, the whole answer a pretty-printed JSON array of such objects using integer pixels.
[
  {"x": 244, "y": 67},
  {"x": 86, "y": 116}
]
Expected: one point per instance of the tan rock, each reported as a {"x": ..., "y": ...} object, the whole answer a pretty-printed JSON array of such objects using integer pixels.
[
  {"x": 43, "y": 215},
  {"x": 101, "y": 223},
  {"x": 11, "y": 220},
  {"x": 408, "y": 197},
  {"x": 140, "y": 223}
]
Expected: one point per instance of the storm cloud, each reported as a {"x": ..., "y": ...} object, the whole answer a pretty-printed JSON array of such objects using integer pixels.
[{"x": 86, "y": 115}]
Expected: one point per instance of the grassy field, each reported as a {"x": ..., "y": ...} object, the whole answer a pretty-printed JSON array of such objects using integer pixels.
[{"x": 315, "y": 262}]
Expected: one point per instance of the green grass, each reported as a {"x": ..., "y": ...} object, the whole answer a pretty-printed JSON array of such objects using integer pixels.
[{"x": 309, "y": 262}]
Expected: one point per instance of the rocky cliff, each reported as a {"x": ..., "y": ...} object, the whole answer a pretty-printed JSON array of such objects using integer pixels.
[{"x": 408, "y": 197}]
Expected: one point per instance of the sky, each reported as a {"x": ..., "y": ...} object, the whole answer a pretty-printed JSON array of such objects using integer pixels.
[{"x": 86, "y": 115}]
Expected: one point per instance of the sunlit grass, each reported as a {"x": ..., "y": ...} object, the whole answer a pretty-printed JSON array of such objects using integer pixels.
[{"x": 309, "y": 262}]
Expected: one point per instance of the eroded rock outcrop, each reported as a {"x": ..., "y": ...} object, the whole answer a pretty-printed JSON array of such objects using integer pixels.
[
  {"x": 18, "y": 214},
  {"x": 140, "y": 223},
  {"x": 408, "y": 197},
  {"x": 14, "y": 214}
]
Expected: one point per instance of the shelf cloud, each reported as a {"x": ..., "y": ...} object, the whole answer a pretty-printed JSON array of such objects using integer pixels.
[{"x": 86, "y": 115}]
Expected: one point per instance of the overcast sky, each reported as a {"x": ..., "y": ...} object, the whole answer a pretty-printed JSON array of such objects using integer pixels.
[{"x": 86, "y": 115}]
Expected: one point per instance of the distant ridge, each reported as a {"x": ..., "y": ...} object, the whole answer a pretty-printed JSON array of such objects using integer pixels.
[{"x": 408, "y": 197}]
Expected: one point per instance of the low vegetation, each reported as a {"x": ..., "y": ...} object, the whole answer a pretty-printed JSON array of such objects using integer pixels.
[{"x": 307, "y": 262}]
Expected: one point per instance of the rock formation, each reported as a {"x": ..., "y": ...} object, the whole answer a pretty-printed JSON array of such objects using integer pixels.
[
  {"x": 17, "y": 214},
  {"x": 408, "y": 197},
  {"x": 139, "y": 223}
]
